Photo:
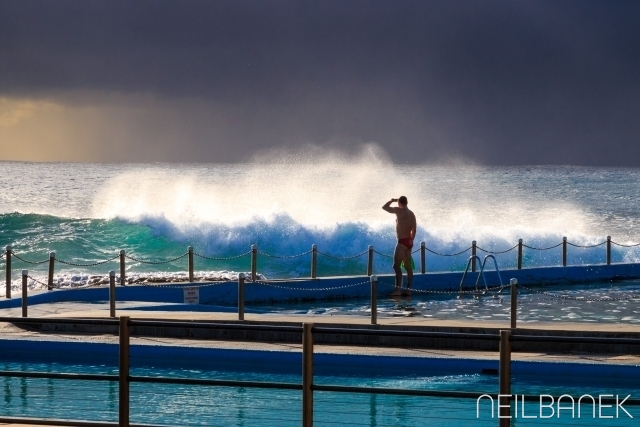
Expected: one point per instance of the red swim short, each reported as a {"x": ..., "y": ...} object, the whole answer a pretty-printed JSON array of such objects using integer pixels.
[{"x": 406, "y": 242}]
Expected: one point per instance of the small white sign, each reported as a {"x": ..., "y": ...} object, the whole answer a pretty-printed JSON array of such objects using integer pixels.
[{"x": 192, "y": 295}]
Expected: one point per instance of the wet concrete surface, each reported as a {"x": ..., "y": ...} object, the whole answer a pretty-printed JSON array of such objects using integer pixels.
[{"x": 137, "y": 310}]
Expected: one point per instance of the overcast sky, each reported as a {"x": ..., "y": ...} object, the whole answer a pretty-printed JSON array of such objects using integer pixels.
[{"x": 491, "y": 82}]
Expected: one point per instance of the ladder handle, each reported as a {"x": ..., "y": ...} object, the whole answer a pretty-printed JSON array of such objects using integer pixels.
[
  {"x": 464, "y": 275},
  {"x": 480, "y": 273},
  {"x": 495, "y": 263}
]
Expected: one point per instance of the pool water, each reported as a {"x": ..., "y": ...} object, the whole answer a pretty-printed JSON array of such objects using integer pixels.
[
  {"x": 532, "y": 307},
  {"x": 162, "y": 404}
]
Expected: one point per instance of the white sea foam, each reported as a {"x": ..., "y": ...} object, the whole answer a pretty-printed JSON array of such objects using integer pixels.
[
  {"x": 81, "y": 280},
  {"x": 287, "y": 201},
  {"x": 315, "y": 193}
]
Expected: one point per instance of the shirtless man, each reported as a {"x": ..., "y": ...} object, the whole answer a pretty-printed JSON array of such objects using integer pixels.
[{"x": 405, "y": 232}]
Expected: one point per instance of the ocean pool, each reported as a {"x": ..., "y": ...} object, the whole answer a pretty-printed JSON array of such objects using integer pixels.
[
  {"x": 174, "y": 404},
  {"x": 617, "y": 302}
]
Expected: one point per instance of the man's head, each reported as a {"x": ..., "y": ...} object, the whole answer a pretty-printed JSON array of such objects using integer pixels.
[{"x": 402, "y": 201}]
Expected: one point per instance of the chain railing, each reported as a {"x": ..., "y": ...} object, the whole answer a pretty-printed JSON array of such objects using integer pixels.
[
  {"x": 497, "y": 252},
  {"x": 93, "y": 264},
  {"x": 442, "y": 292},
  {"x": 342, "y": 258},
  {"x": 578, "y": 298},
  {"x": 286, "y": 256},
  {"x": 542, "y": 249},
  {"x": 625, "y": 246},
  {"x": 586, "y": 246},
  {"x": 229, "y": 258},
  {"x": 326, "y": 288},
  {"x": 386, "y": 283},
  {"x": 254, "y": 254},
  {"x": 13, "y": 254},
  {"x": 156, "y": 262},
  {"x": 385, "y": 255},
  {"x": 37, "y": 281},
  {"x": 448, "y": 255},
  {"x": 191, "y": 285}
]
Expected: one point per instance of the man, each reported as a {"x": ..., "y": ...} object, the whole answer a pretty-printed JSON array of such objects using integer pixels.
[{"x": 405, "y": 232}]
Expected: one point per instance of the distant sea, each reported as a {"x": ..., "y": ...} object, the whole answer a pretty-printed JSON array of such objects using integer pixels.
[{"x": 88, "y": 212}]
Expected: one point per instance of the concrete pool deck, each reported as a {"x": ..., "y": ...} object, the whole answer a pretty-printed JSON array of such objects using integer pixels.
[
  {"x": 101, "y": 310},
  {"x": 148, "y": 310}
]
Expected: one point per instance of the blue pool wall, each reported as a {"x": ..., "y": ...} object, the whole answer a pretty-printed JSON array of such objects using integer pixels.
[
  {"x": 331, "y": 287},
  {"x": 167, "y": 356}
]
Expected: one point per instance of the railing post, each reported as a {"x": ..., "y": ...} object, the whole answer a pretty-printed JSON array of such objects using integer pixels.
[
  {"x": 112, "y": 293},
  {"x": 52, "y": 258},
  {"x": 123, "y": 373},
  {"x": 314, "y": 261},
  {"x": 254, "y": 262},
  {"x": 241, "y": 296},
  {"x": 519, "y": 254},
  {"x": 608, "y": 250},
  {"x": 190, "y": 250},
  {"x": 7, "y": 257},
  {"x": 123, "y": 279},
  {"x": 370, "y": 261},
  {"x": 374, "y": 299},
  {"x": 504, "y": 409},
  {"x": 423, "y": 257},
  {"x": 514, "y": 302},
  {"x": 564, "y": 251},
  {"x": 473, "y": 255},
  {"x": 25, "y": 273},
  {"x": 307, "y": 375}
]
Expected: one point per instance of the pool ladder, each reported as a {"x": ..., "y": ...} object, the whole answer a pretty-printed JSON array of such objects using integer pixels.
[{"x": 479, "y": 292}]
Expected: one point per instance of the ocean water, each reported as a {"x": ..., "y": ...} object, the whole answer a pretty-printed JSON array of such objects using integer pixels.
[{"x": 284, "y": 204}]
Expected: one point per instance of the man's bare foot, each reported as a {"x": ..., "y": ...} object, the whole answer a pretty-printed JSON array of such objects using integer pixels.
[
  {"x": 396, "y": 292},
  {"x": 407, "y": 292}
]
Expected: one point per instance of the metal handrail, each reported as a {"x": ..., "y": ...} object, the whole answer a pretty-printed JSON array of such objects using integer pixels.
[
  {"x": 60, "y": 423},
  {"x": 317, "y": 330},
  {"x": 495, "y": 263},
  {"x": 216, "y": 383},
  {"x": 481, "y": 273},
  {"x": 404, "y": 334},
  {"x": 60, "y": 320},
  {"x": 441, "y": 393},
  {"x": 228, "y": 326},
  {"x": 59, "y": 376},
  {"x": 466, "y": 270},
  {"x": 581, "y": 340}
]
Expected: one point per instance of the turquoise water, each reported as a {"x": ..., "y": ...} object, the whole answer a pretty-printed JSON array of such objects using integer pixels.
[{"x": 237, "y": 406}]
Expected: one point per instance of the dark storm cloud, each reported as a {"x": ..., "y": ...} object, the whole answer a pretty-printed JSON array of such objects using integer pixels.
[{"x": 499, "y": 82}]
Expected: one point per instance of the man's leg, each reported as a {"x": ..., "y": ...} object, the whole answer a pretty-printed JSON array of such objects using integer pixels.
[
  {"x": 407, "y": 266},
  {"x": 398, "y": 255}
]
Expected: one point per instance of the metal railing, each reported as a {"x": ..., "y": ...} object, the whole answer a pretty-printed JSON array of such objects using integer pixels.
[
  {"x": 483, "y": 264},
  {"x": 253, "y": 253},
  {"x": 307, "y": 386}
]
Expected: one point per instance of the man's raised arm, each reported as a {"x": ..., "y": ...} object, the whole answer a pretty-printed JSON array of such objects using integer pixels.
[{"x": 387, "y": 206}]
